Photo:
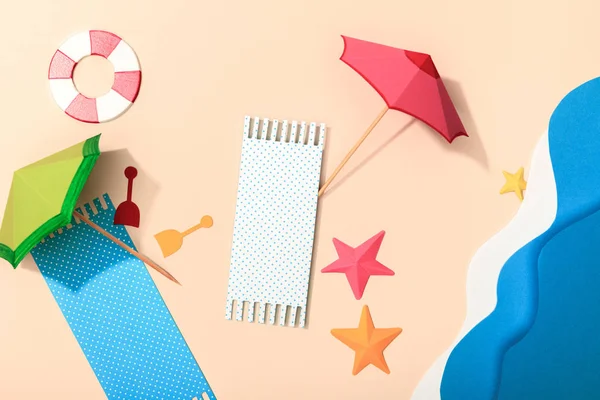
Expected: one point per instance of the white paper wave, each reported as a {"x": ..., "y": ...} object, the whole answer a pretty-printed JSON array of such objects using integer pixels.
[{"x": 534, "y": 217}]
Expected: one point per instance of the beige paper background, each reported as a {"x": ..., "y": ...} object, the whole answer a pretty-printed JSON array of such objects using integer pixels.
[{"x": 206, "y": 65}]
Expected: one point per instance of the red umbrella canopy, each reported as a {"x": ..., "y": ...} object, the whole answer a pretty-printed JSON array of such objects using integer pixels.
[{"x": 407, "y": 81}]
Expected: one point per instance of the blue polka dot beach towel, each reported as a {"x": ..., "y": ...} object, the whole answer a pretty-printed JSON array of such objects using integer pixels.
[
  {"x": 275, "y": 221},
  {"x": 117, "y": 314}
]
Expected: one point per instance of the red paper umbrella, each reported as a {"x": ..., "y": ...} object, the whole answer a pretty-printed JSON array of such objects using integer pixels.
[{"x": 407, "y": 81}]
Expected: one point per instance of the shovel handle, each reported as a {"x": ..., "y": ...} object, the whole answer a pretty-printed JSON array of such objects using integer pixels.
[
  {"x": 140, "y": 256},
  {"x": 205, "y": 222},
  {"x": 130, "y": 174}
]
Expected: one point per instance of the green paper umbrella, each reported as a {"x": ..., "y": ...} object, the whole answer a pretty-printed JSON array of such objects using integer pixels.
[{"x": 42, "y": 200}]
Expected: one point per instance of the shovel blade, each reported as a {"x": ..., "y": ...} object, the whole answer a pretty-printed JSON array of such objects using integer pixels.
[
  {"x": 169, "y": 241},
  {"x": 127, "y": 213}
]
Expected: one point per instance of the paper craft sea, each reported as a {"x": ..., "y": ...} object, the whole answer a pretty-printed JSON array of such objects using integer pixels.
[{"x": 533, "y": 314}]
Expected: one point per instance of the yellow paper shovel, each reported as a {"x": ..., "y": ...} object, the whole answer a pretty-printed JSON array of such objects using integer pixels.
[{"x": 170, "y": 240}]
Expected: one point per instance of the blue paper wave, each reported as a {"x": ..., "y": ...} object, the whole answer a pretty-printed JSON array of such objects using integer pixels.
[{"x": 475, "y": 369}]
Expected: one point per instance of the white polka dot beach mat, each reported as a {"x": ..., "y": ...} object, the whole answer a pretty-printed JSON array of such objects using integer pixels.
[
  {"x": 117, "y": 314},
  {"x": 275, "y": 221}
]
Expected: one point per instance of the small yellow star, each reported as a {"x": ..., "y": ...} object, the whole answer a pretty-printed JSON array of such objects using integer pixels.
[{"x": 514, "y": 183}]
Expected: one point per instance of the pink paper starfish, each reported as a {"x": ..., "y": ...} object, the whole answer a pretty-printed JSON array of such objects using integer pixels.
[{"x": 359, "y": 263}]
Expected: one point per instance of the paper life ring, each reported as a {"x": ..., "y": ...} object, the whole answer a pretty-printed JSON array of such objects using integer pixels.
[{"x": 126, "y": 84}]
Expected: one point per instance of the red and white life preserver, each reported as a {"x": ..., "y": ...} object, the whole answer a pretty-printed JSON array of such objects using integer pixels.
[{"x": 126, "y": 85}]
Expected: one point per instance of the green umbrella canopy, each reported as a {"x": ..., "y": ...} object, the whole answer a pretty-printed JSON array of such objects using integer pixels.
[{"x": 42, "y": 198}]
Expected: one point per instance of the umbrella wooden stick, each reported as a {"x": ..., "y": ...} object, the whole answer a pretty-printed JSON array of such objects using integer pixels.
[
  {"x": 129, "y": 249},
  {"x": 353, "y": 150}
]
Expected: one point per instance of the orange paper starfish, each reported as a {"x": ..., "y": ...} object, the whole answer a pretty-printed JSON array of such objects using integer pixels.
[{"x": 368, "y": 342}]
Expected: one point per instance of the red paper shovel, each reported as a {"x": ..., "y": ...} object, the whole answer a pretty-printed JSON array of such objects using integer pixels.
[{"x": 128, "y": 213}]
